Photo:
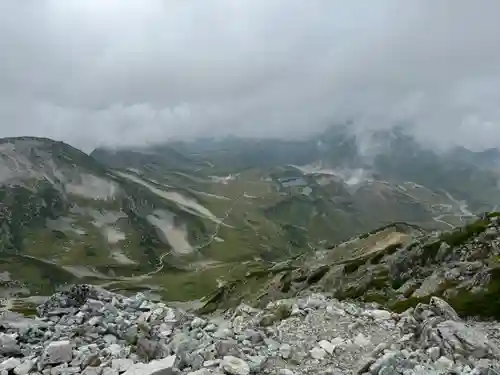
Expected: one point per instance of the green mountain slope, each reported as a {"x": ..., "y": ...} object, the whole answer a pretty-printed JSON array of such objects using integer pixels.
[
  {"x": 62, "y": 210},
  {"x": 182, "y": 218}
]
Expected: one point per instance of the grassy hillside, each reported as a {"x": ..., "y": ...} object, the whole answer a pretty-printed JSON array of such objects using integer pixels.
[{"x": 183, "y": 218}]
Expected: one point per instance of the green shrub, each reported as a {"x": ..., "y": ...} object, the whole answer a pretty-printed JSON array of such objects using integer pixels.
[
  {"x": 403, "y": 305},
  {"x": 377, "y": 297},
  {"x": 353, "y": 265},
  {"x": 460, "y": 236},
  {"x": 430, "y": 250},
  {"x": 484, "y": 304}
]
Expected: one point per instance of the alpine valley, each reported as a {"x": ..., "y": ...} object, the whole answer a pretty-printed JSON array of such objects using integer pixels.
[{"x": 184, "y": 219}]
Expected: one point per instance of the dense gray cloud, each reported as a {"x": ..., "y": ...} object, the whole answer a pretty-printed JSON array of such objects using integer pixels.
[{"x": 125, "y": 72}]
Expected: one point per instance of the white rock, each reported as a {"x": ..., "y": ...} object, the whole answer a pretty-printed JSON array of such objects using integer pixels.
[
  {"x": 238, "y": 323},
  {"x": 338, "y": 342},
  {"x": 296, "y": 311},
  {"x": 198, "y": 323},
  {"x": 64, "y": 370},
  {"x": 110, "y": 339},
  {"x": 144, "y": 317},
  {"x": 326, "y": 346},
  {"x": 334, "y": 310},
  {"x": 379, "y": 314},
  {"x": 169, "y": 315},
  {"x": 443, "y": 364},
  {"x": 332, "y": 371},
  {"x": 10, "y": 364},
  {"x": 462, "y": 338},
  {"x": 379, "y": 349},
  {"x": 109, "y": 371},
  {"x": 95, "y": 320},
  {"x": 434, "y": 353},
  {"x": 234, "y": 366},
  {"x": 315, "y": 301},
  {"x": 361, "y": 340},
  {"x": 212, "y": 363},
  {"x": 92, "y": 371},
  {"x": 157, "y": 314},
  {"x": 57, "y": 352},
  {"x": 223, "y": 332},
  {"x": 156, "y": 367},
  {"x": 285, "y": 371},
  {"x": 147, "y": 305},
  {"x": 115, "y": 350},
  {"x": 8, "y": 344},
  {"x": 202, "y": 371},
  {"x": 317, "y": 353},
  {"x": 211, "y": 327},
  {"x": 24, "y": 368},
  {"x": 285, "y": 351},
  {"x": 121, "y": 364},
  {"x": 256, "y": 363}
]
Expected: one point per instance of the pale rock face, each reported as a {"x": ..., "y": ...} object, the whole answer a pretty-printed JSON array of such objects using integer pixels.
[
  {"x": 285, "y": 351},
  {"x": 157, "y": 367},
  {"x": 109, "y": 371},
  {"x": 379, "y": 314},
  {"x": 93, "y": 187},
  {"x": 9, "y": 364},
  {"x": 326, "y": 346},
  {"x": 444, "y": 364},
  {"x": 361, "y": 340},
  {"x": 57, "y": 352},
  {"x": 8, "y": 344},
  {"x": 429, "y": 286},
  {"x": 317, "y": 353},
  {"x": 121, "y": 364},
  {"x": 234, "y": 366}
]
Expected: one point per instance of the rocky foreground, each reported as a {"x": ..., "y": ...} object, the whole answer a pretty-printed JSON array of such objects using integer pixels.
[{"x": 91, "y": 331}]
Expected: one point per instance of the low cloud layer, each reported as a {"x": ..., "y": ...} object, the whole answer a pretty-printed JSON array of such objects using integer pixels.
[{"x": 128, "y": 72}]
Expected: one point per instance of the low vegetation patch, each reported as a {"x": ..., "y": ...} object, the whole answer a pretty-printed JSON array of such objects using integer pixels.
[
  {"x": 460, "y": 236},
  {"x": 484, "y": 303}
]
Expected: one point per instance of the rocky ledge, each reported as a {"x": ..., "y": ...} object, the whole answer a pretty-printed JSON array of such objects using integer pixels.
[{"x": 90, "y": 331}]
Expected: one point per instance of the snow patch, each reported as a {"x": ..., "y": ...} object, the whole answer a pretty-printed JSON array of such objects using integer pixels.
[
  {"x": 82, "y": 272},
  {"x": 176, "y": 236},
  {"x": 113, "y": 235},
  {"x": 93, "y": 187},
  {"x": 187, "y": 204},
  {"x": 103, "y": 218},
  {"x": 212, "y": 195},
  {"x": 64, "y": 224},
  {"x": 119, "y": 256}
]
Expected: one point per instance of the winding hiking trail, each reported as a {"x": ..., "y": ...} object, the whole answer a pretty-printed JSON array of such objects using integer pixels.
[
  {"x": 438, "y": 219},
  {"x": 162, "y": 257},
  {"x": 196, "y": 248}
]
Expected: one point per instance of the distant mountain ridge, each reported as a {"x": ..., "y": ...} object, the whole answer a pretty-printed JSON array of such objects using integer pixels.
[{"x": 181, "y": 218}]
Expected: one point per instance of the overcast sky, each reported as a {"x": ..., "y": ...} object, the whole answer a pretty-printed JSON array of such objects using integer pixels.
[{"x": 124, "y": 72}]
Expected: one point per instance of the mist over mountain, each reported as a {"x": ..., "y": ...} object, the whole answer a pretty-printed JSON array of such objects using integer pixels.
[{"x": 132, "y": 73}]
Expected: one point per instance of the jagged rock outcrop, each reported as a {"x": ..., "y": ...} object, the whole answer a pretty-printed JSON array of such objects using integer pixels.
[
  {"x": 89, "y": 331},
  {"x": 394, "y": 266}
]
